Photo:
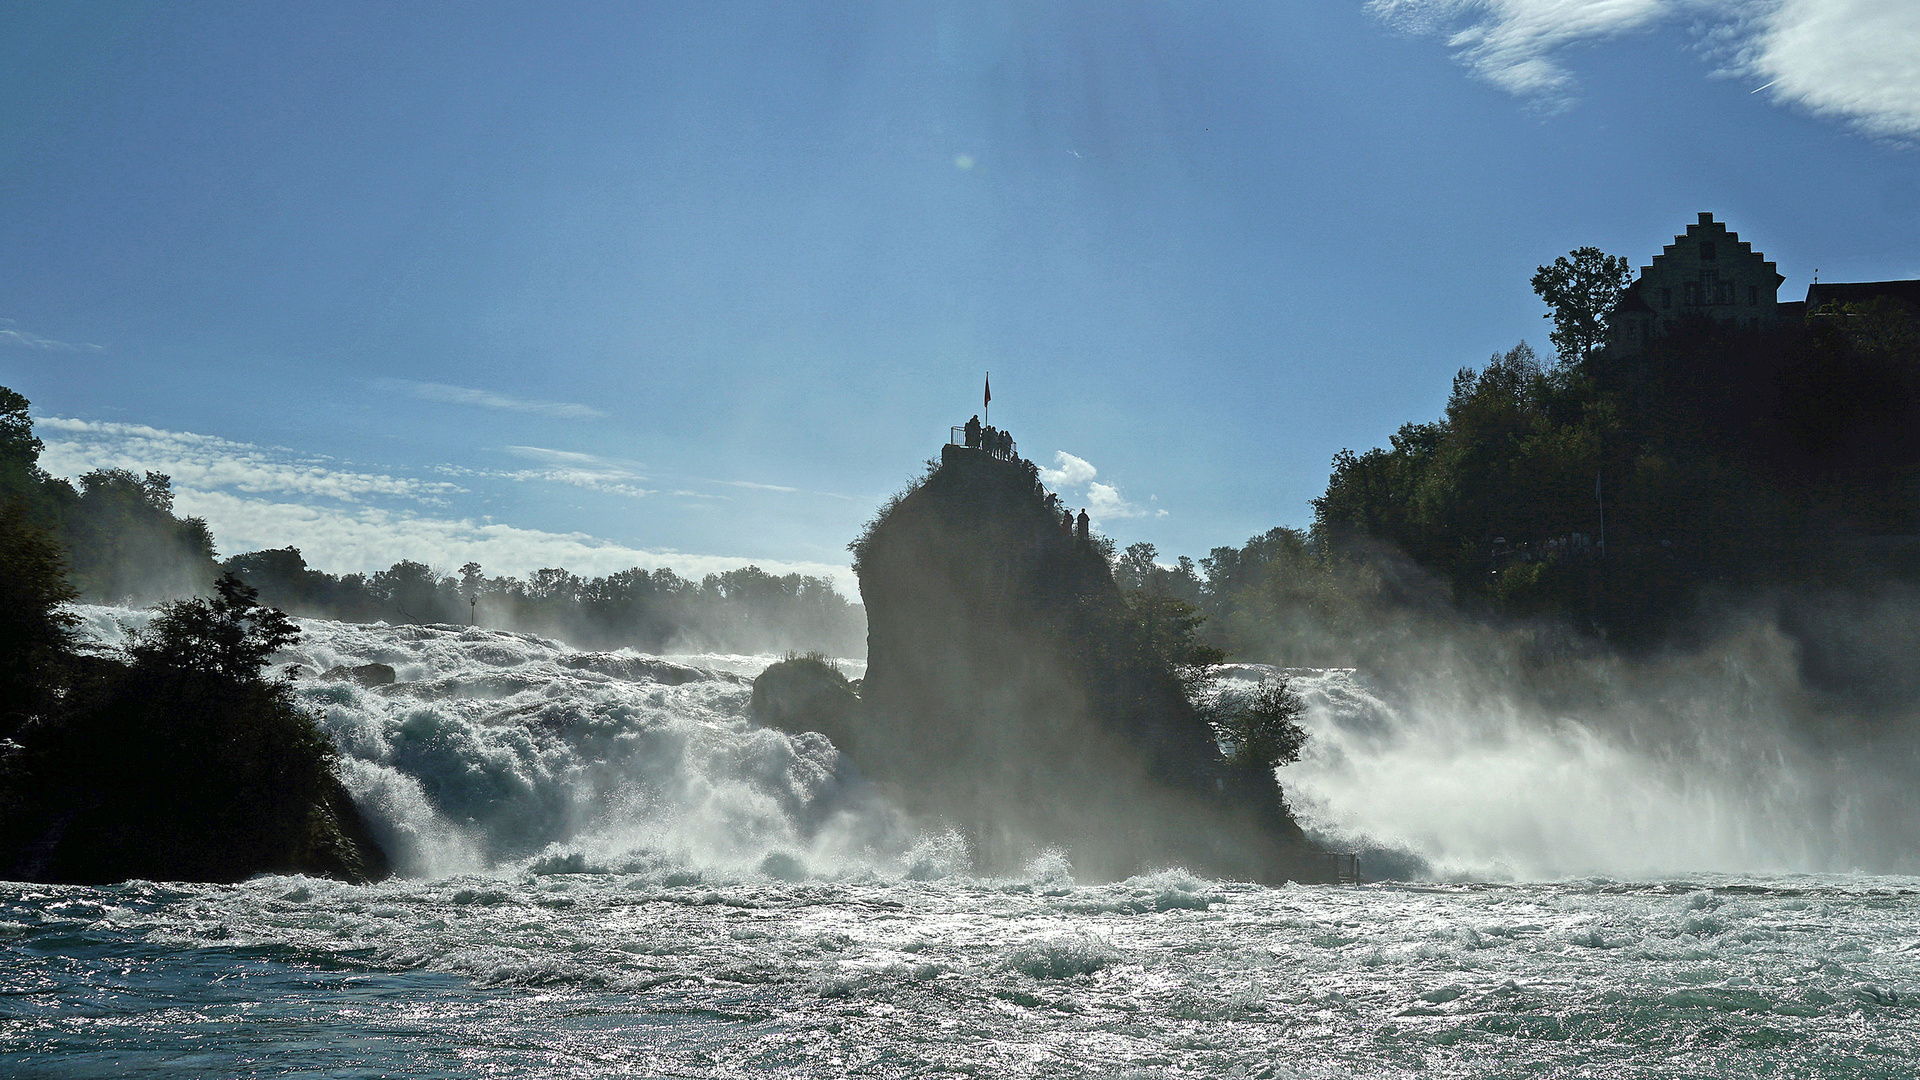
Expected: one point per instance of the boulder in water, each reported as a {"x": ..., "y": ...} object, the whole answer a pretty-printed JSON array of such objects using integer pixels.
[
  {"x": 367, "y": 675},
  {"x": 807, "y": 693}
]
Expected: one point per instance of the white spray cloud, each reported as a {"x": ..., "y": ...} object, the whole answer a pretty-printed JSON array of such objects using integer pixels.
[
  {"x": 1073, "y": 478},
  {"x": 488, "y": 399},
  {"x": 1853, "y": 60}
]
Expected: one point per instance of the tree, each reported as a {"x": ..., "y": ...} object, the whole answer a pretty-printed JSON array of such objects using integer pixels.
[
  {"x": 232, "y": 635},
  {"x": 36, "y": 629},
  {"x": 1582, "y": 291},
  {"x": 1262, "y": 726},
  {"x": 19, "y": 449}
]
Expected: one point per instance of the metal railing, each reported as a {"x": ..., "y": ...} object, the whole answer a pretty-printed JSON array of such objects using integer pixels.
[
  {"x": 1008, "y": 450},
  {"x": 1342, "y": 867}
]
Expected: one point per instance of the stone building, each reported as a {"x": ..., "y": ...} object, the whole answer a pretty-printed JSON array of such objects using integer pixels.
[{"x": 1708, "y": 270}]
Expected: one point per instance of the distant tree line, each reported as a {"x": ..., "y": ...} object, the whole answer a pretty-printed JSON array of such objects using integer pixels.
[
  {"x": 119, "y": 541},
  {"x": 117, "y": 531},
  {"x": 743, "y": 610}
]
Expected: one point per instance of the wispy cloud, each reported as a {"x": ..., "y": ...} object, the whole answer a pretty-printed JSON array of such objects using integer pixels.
[
  {"x": 780, "y": 489},
  {"x": 1857, "y": 60},
  {"x": 488, "y": 399},
  {"x": 750, "y": 485},
  {"x": 206, "y": 462},
  {"x": 363, "y": 539},
  {"x": 11, "y": 334},
  {"x": 579, "y": 470},
  {"x": 1852, "y": 60},
  {"x": 1075, "y": 476}
]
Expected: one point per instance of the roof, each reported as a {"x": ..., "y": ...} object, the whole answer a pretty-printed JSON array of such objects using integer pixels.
[
  {"x": 1862, "y": 292},
  {"x": 1631, "y": 299}
]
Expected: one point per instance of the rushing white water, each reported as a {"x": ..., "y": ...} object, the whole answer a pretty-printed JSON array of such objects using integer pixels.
[
  {"x": 609, "y": 870},
  {"x": 1674, "y": 775}
]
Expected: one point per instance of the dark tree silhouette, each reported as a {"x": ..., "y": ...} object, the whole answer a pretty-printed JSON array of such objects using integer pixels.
[
  {"x": 1581, "y": 288},
  {"x": 232, "y": 634}
]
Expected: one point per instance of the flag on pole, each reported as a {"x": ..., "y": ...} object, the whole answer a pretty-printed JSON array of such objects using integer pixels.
[{"x": 989, "y": 400}]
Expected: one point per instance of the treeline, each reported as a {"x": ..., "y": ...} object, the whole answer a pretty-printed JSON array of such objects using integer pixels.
[
  {"x": 743, "y": 610},
  {"x": 117, "y": 530},
  {"x": 1626, "y": 494},
  {"x": 121, "y": 542},
  {"x": 1623, "y": 489}
]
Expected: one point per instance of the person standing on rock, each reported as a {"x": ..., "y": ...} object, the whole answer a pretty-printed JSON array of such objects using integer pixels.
[
  {"x": 973, "y": 432},
  {"x": 1081, "y": 527}
]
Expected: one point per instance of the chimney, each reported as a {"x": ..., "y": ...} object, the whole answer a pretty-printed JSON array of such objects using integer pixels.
[{"x": 1706, "y": 218}]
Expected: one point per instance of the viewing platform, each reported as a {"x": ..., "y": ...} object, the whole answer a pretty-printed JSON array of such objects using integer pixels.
[{"x": 1002, "y": 447}]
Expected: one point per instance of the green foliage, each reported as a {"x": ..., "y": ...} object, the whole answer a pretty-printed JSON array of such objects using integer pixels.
[
  {"x": 232, "y": 634},
  {"x": 1718, "y": 458},
  {"x": 746, "y": 609},
  {"x": 36, "y": 629},
  {"x": 1261, "y": 726},
  {"x": 807, "y": 693},
  {"x": 126, "y": 542},
  {"x": 185, "y": 762},
  {"x": 20, "y": 475},
  {"x": 1582, "y": 291}
]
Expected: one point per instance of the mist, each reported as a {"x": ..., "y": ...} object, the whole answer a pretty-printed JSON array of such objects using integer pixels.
[{"x": 1774, "y": 736}]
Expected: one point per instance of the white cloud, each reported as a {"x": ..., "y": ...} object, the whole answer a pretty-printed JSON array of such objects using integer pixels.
[
  {"x": 1854, "y": 60},
  {"x": 1074, "y": 476},
  {"x": 1068, "y": 471},
  {"x": 487, "y": 399},
  {"x": 1510, "y": 42},
  {"x": 1104, "y": 503},
  {"x": 364, "y": 539},
  {"x": 224, "y": 482},
  {"x": 11, "y": 334},
  {"x": 74, "y": 447},
  {"x": 579, "y": 470},
  {"x": 757, "y": 487}
]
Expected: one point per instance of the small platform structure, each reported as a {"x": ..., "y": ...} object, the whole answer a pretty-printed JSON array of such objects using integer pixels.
[{"x": 986, "y": 440}]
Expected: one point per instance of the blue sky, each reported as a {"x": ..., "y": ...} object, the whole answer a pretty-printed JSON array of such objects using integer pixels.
[{"x": 699, "y": 285}]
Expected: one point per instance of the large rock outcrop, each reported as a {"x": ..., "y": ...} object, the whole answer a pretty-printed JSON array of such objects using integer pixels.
[
  {"x": 1010, "y": 691},
  {"x": 176, "y": 776}
]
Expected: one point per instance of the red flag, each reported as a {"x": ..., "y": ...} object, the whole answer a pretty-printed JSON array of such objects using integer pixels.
[{"x": 989, "y": 400}]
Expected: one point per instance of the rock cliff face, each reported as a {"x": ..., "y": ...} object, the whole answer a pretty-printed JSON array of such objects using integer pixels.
[{"x": 1007, "y": 692}]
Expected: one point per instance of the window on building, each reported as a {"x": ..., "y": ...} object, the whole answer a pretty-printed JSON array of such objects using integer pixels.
[
  {"x": 1753, "y": 296},
  {"x": 1692, "y": 296},
  {"x": 1706, "y": 252},
  {"x": 1666, "y": 299}
]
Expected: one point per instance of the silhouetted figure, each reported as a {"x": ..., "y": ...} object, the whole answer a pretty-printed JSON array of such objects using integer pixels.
[
  {"x": 973, "y": 433},
  {"x": 988, "y": 438},
  {"x": 1080, "y": 531},
  {"x": 1066, "y": 524}
]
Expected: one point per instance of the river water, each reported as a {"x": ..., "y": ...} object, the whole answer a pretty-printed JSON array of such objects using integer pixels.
[{"x": 608, "y": 870}]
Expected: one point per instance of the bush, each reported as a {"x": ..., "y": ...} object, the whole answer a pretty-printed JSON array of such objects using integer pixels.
[{"x": 1262, "y": 726}]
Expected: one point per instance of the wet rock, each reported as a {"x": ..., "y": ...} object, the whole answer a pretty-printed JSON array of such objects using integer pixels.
[{"x": 367, "y": 675}]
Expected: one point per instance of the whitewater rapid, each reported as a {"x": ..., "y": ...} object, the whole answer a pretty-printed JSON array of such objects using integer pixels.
[{"x": 609, "y": 870}]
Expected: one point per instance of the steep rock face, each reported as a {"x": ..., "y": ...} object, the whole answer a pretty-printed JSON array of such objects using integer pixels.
[{"x": 1006, "y": 692}]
